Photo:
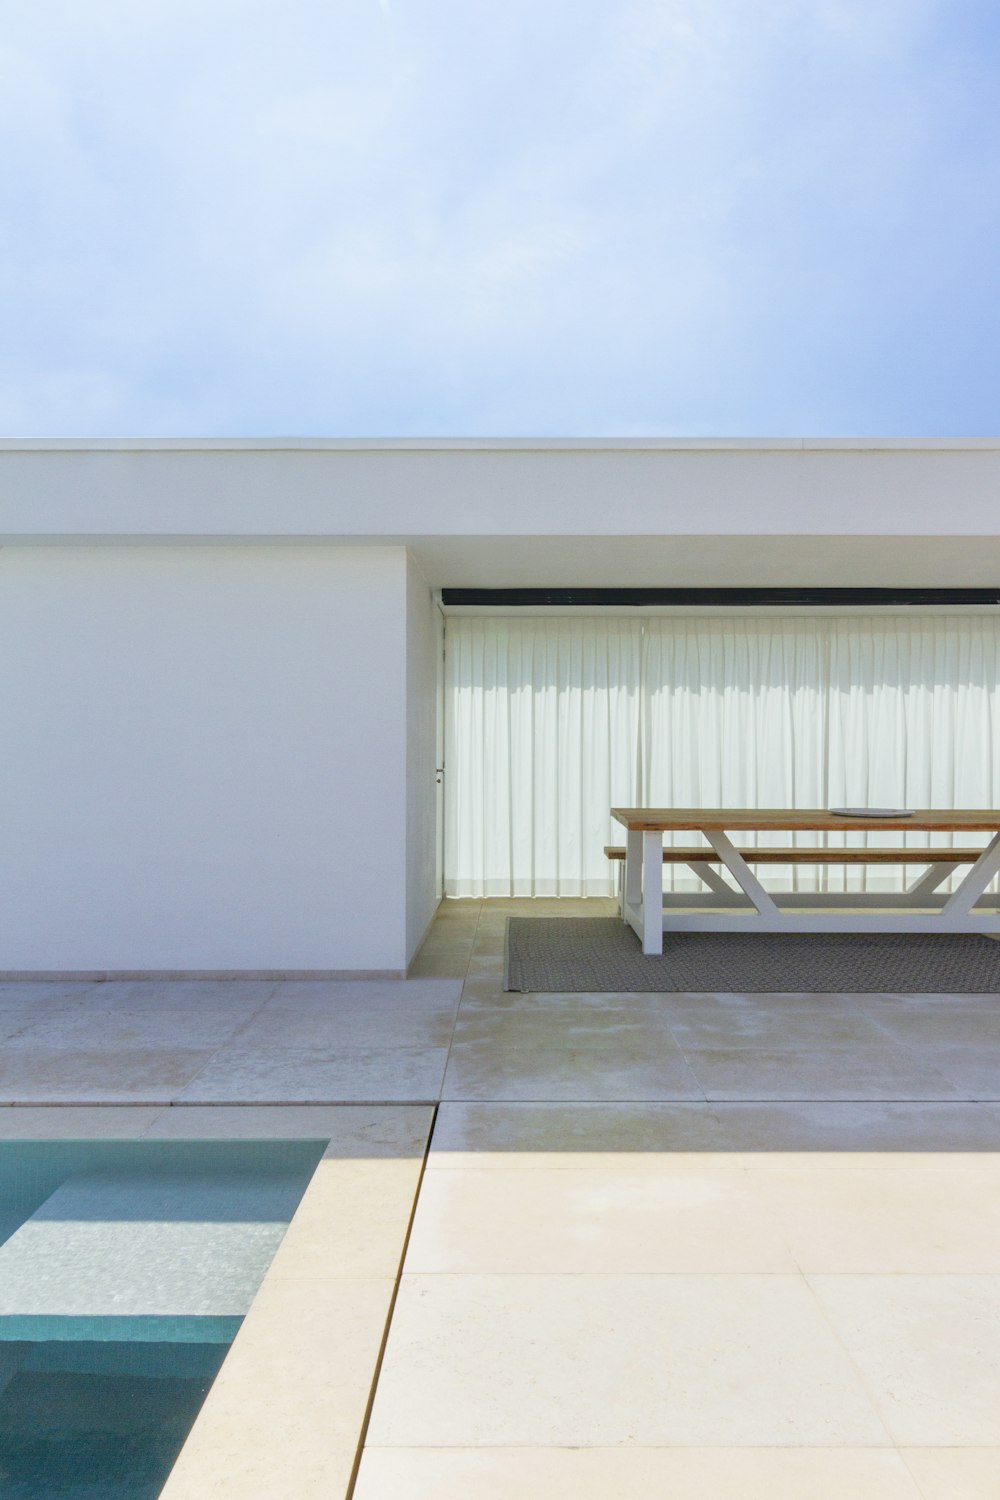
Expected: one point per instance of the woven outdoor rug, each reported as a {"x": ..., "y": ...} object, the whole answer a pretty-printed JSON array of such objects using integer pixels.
[{"x": 603, "y": 955}]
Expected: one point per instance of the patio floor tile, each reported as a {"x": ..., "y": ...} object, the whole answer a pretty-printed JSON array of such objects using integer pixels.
[
  {"x": 856, "y": 1071},
  {"x": 117, "y": 1027},
  {"x": 81, "y": 1075},
  {"x": 771, "y": 1025},
  {"x": 609, "y": 1219},
  {"x": 907, "y": 1220},
  {"x": 548, "y": 1136},
  {"x": 642, "y": 1065},
  {"x": 73, "y": 1122},
  {"x": 355, "y": 1217},
  {"x": 641, "y": 1474},
  {"x": 955, "y": 1473},
  {"x": 974, "y": 1069},
  {"x": 332, "y": 1074},
  {"x": 597, "y": 1361},
  {"x": 928, "y": 1348},
  {"x": 351, "y": 1021},
  {"x": 355, "y": 1133},
  {"x": 860, "y": 1132}
]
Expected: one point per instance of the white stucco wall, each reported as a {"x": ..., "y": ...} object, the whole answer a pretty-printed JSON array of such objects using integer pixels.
[{"x": 202, "y": 751}]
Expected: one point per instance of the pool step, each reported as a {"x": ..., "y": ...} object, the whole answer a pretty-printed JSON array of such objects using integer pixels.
[{"x": 123, "y": 1255}]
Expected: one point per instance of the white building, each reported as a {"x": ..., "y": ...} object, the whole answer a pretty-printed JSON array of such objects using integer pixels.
[{"x": 222, "y": 685}]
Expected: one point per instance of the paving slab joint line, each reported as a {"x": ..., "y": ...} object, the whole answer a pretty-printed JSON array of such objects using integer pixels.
[
  {"x": 377, "y": 1372},
  {"x": 871, "y": 1393},
  {"x": 917, "y": 1484},
  {"x": 219, "y": 1103}
]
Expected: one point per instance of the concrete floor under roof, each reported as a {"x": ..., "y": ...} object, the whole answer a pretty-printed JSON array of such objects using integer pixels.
[{"x": 697, "y": 1244}]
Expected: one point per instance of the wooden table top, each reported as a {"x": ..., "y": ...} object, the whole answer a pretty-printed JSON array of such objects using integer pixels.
[{"x": 796, "y": 819}]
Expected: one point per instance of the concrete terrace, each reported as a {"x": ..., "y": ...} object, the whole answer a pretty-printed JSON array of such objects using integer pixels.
[{"x": 727, "y": 1245}]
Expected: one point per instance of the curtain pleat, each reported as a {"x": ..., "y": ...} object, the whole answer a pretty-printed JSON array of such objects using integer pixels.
[{"x": 551, "y": 722}]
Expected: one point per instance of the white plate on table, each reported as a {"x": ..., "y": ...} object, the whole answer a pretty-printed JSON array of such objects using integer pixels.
[{"x": 872, "y": 812}]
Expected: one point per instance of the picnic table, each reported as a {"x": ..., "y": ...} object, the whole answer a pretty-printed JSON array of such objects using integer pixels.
[{"x": 919, "y": 907}]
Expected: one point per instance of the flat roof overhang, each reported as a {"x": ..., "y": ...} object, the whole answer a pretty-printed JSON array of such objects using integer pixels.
[{"x": 546, "y": 513}]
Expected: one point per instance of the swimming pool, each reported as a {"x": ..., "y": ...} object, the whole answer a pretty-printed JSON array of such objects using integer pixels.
[{"x": 126, "y": 1268}]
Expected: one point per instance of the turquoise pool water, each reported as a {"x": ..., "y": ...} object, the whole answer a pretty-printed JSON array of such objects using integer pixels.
[
  {"x": 109, "y": 1426},
  {"x": 125, "y": 1271}
]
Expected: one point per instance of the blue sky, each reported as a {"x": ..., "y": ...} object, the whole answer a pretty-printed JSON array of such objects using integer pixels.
[{"x": 378, "y": 217}]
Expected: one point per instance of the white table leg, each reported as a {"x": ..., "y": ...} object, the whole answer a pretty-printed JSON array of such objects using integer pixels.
[
  {"x": 961, "y": 902},
  {"x": 741, "y": 872},
  {"x": 652, "y": 893}
]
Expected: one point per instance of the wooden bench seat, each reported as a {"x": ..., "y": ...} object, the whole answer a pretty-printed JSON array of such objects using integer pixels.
[{"x": 704, "y": 855}]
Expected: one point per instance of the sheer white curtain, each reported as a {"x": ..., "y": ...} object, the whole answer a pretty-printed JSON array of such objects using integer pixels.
[
  {"x": 914, "y": 720},
  {"x": 550, "y": 722},
  {"x": 542, "y": 737},
  {"x": 735, "y": 715}
]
